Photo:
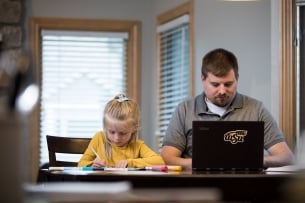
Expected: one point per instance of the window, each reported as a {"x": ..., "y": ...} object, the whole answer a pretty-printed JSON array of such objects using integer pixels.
[
  {"x": 175, "y": 70},
  {"x": 81, "y": 69}
]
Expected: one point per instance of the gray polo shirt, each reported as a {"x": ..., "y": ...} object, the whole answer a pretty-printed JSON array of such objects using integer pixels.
[{"x": 243, "y": 108}]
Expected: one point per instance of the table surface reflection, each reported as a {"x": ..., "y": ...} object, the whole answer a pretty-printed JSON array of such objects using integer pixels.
[{"x": 234, "y": 185}]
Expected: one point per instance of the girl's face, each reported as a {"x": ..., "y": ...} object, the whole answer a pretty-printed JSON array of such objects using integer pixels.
[{"x": 118, "y": 132}]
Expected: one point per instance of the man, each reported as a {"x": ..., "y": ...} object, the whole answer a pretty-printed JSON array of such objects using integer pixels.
[{"x": 221, "y": 101}]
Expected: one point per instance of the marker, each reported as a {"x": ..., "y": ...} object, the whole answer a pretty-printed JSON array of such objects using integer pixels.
[
  {"x": 157, "y": 168},
  {"x": 174, "y": 168},
  {"x": 136, "y": 169},
  {"x": 115, "y": 169},
  {"x": 164, "y": 168},
  {"x": 87, "y": 168}
]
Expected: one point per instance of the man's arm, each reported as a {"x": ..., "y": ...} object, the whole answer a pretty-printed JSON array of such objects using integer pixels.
[
  {"x": 279, "y": 155},
  {"x": 172, "y": 156}
]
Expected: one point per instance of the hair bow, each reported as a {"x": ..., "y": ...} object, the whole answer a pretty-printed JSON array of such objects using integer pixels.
[{"x": 122, "y": 98}]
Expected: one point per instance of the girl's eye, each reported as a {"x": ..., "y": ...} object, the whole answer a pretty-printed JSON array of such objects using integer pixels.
[
  {"x": 122, "y": 134},
  {"x": 111, "y": 132}
]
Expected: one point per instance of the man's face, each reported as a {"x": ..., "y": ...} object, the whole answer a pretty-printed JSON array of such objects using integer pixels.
[{"x": 220, "y": 90}]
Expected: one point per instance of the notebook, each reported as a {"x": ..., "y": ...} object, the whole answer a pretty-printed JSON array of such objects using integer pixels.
[{"x": 228, "y": 145}]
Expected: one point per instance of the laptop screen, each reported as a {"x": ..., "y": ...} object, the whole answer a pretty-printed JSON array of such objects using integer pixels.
[{"x": 228, "y": 145}]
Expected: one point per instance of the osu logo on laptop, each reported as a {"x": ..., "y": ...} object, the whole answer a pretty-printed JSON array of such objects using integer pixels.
[{"x": 236, "y": 136}]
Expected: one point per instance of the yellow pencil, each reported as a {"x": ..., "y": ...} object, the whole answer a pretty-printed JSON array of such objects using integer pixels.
[{"x": 92, "y": 149}]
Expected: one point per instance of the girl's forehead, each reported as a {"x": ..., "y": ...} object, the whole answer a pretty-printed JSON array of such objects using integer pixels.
[{"x": 116, "y": 124}]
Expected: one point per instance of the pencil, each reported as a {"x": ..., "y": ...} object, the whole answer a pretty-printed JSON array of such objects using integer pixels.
[{"x": 92, "y": 149}]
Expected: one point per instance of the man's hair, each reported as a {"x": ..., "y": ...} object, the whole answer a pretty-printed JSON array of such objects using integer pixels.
[{"x": 219, "y": 62}]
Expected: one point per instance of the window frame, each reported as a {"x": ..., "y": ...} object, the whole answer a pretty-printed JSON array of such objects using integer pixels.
[
  {"x": 287, "y": 71},
  {"x": 38, "y": 24},
  {"x": 300, "y": 60},
  {"x": 172, "y": 14}
]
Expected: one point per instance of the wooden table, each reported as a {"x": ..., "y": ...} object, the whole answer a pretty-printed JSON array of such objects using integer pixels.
[{"x": 234, "y": 186}]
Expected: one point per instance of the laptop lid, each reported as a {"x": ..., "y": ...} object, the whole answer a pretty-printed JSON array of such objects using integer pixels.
[{"x": 228, "y": 145}]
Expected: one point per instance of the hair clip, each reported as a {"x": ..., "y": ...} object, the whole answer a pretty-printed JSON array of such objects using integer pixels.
[{"x": 122, "y": 98}]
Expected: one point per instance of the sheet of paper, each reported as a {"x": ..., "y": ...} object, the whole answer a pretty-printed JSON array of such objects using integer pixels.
[{"x": 289, "y": 168}]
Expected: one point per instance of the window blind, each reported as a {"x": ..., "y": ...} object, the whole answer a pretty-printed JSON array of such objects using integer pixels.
[
  {"x": 81, "y": 72},
  {"x": 174, "y": 72},
  {"x": 300, "y": 2}
]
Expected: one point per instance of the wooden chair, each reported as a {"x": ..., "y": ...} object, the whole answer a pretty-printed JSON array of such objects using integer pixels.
[{"x": 67, "y": 145}]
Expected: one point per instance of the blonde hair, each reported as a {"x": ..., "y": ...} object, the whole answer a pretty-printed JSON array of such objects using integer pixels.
[{"x": 123, "y": 109}]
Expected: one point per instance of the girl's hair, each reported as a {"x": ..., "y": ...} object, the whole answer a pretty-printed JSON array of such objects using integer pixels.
[{"x": 123, "y": 109}]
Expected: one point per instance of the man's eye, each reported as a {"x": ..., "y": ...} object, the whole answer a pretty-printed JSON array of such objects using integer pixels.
[{"x": 228, "y": 84}]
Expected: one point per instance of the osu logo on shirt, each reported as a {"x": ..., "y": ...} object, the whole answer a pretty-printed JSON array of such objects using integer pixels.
[{"x": 235, "y": 136}]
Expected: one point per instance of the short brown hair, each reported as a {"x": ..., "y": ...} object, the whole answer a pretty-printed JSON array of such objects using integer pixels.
[{"x": 219, "y": 62}]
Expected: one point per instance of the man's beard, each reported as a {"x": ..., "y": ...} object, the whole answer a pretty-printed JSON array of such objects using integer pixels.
[{"x": 222, "y": 101}]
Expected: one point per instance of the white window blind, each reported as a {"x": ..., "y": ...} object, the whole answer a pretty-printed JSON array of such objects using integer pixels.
[
  {"x": 174, "y": 80},
  {"x": 81, "y": 71}
]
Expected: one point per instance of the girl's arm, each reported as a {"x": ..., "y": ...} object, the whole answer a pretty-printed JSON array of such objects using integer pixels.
[{"x": 147, "y": 157}]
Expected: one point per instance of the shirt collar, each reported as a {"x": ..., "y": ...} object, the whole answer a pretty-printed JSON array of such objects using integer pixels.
[{"x": 202, "y": 108}]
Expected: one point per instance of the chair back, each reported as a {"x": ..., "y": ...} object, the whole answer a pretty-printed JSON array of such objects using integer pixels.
[{"x": 67, "y": 145}]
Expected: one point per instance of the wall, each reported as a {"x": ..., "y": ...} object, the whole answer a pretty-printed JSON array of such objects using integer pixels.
[
  {"x": 12, "y": 38},
  {"x": 244, "y": 28},
  {"x": 114, "y": 9},
  {"x": 13, "y": 125},
  {"x": 250, "y": 30}
]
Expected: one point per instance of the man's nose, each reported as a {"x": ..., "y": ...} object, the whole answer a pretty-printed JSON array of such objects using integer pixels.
[{"x": 222, "y": 89}]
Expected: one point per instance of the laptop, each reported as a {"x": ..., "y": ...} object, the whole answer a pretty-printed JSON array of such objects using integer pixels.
[{"x": 228, "y": 145}]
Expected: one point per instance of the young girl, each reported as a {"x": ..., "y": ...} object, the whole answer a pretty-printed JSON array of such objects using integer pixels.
[{"x": 118, "y": 145}]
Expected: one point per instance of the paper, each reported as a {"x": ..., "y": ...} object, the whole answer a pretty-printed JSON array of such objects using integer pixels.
[{"x": 289, "y": 168}]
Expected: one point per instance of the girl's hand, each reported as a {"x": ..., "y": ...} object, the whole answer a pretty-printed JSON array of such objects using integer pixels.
[
  {"x": 121, "y": 164},
  {"x": 98, "y": 163}
]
